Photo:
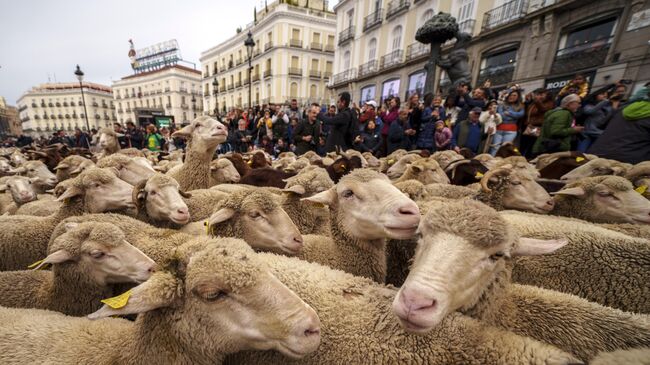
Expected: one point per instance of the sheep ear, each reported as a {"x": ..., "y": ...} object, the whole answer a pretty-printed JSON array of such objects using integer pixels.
[
  {"x": 3, "y": 187},
  {"x": 69, "y": 226},
  {"x": 161, "y": 290},
  {"x": 298, "y": 189},
  {"x": 327, "y": 197},
  {"x": 55, "y": 257},
  {"x": 184, "y": 194},
  {"x": 70, "y": 192},
  {"x": 77, "y": 170},
  {"x": 221, "y": 215},
  {"x": 185, "y": 132},
  {"x": 534, "y": 247},
  {"x": 62, "y": 166},
  {"x": 417, "y": 168},
  {"x": 576, "y": 191}
]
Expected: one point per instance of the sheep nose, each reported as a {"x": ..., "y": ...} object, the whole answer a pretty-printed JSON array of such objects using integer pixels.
[
  {"x": 417, "y": 303},
  {"x": 409, "y": 209},
  {"x": 298, "y": 240},
  {"x": 183, "y": 211},
  {"x": 550, "y": 203},
  {"x": 151, "y": 269}
]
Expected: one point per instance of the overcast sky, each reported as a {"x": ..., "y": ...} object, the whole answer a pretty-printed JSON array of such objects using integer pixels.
[{"x": 47, "y": 38}]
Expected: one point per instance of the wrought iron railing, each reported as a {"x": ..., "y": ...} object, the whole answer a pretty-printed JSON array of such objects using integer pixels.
[
  {"x": 498, "y": 75},
  {"x": 295, "y": 71},
  {"x": 467, "y": 26},
  {"x": 296, "y": 43},
  {"x": 391, "y": 59},
  {"x": 317, "y": 46},
  {"x": 396, "y": 6},
  {"x": 346, "y": 34},
  {"x": 372, "y": 20},
  {"x": 582, "y": 56},
  {"x": 368, "y": 68},
  {"x": 504, "y": 14},
  {"x": 315, "y": 74},
  {"x": 416, "y": 50},
  {"x": 344, "y": 76}
]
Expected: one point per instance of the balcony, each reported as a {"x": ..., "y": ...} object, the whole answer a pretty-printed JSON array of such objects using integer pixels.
[
  {"x": 295, "y": 71},
  {"x": 392, "y": 59},
  {"x": 22, "y": 107},
  {"x": 267, "y": 73},
  {"x": 231, "y": 64},
  {"x": 45, "y": 116},
  {"x": 50, "y": 105},
  {"x": 396, "y": 7},
  {"x": 95, "y": 104},
  {"x": 467, "y": 26},
  {"x": 60, "y": 116},
  {"x": 120, "y": 111},
  {"x": 72, "y": 103},
  {"x": 58, "y": 105},
  {"x": 65, "y": 103},
  {"x": 128, "y": 110},
  {"x": 67, "y": 116},
  {"x": 37, "y": 117},
  {"x": 238, "y": 62},
  {"x": 167, "y": 89},
  {"x": 184, "y": 106},
  {"x": 346, "y": 35},
  {"x": 316, "y": 46},
  {"x": 97, "y": 116},
  {"x": 344, "y": 76},
  {"x": 315, "y": 74},
  {"x": 329, "y": 48},
  {"x": 168, "y": 106},
  {"x": 183, "y": 90},
  {"x": 416, "y": 50},
  {"x": 206, "y": 93},
  {"x": 327, "y": 75},
  {"x": 222, "y": 69},
  {"x": 583, "y": 56},
  {"x": 268, "y": 46},
  {"x": 74, "y": 115},
  {"x": 373, "y": 20},
  {"x": 231, "y": 86},
  {"x": 255, "y": 77},
  {"x": 498, "y": 75},
  {"x": 368, "y": 68},
  {"x": 238, "y": 83},
  {"x": 504, "y": 14},
  {"x": 222, "y": 88},
  {"x": 295, "y": 43},
  {"x": 43, "y": 105},
  {"x": 104, "y": 105}
]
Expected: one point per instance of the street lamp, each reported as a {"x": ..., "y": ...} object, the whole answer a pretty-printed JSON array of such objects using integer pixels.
[
  {"x": 80, "y": 77},
  {"x": 215, "y": 92},
  {"x": 249, "y": 43},
  {"x": 194, "y": 105}
]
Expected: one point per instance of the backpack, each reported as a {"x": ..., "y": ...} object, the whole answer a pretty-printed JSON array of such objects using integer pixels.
[{"x": 352, "y": 129}]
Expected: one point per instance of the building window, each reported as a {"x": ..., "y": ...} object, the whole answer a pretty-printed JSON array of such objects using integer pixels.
[
  {"x": 346, "y": 60},
  {"x": 498, "y": 67},
  {"x": 293, "y": 90},
  {"x": 584, "y": 47},
  {"x": 372, "y": 49},
  {"x": 389, "y": 89},
  {"x": 426, "y": 16},
  {"x": 312, "y": 92},
  {"x": 330, "y": 40},
  {"x": 465, "y": 11},
  {"x": 368, "y": 93},
  {"x": 396, "y": 38},
  {"x": 350, "y": 17}
]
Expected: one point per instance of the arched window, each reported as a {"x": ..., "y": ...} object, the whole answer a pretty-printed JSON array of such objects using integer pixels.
[
  {"x": 346, "y": 60},
  {"x": 397, "y": 37},
  {"x": 372, "y": 49},
  {"x": 426, "y": 16},
  {"x": 293, "y": 90},
  {"x": 268, "y": 91},
  {"x": 312, "y": 92}
]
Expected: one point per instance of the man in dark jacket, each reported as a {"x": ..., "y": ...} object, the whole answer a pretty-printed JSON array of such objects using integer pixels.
[
  {"x": 134, "y": 135},
  {"x": 469, "y": 133},
  {"x": 339, "y": 124},
  {"x": 121, "y": 137},
  {"x": 306, "y": 134}
]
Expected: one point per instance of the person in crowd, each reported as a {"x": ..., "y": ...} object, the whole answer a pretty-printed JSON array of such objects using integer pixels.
[
  {"x": 388, "y": 116},
  {"x": 306, "y": 135},
  {"x": 399, "y": 133},
  {"x": 58, "y": 137},
  {"x": 94, "y": 137},
  {"x": 538, "y": 103},
  {"x": 627, "y": 135},
  {"x": 264, "y": 126},
  {"x": 293, "y": 111},
  {"x": 168, "y": 140},
  {"x": 368, "y": 113},
  {"x": 451, "y": 111},
  {"x": 442, "y": 136},
  {"x": 266, "y": 144},
  {"x": 340, "y": 124},
  {"x": 242, "y": 137},
  {"x": 490, "y": 119},
  {"x": 511, "y": 111},
  {"x": 425, "y": 139},
  {"x": 467, "y": 102},
  {"x": 80, "y": 139},
  {"x": 596, "y": 110},
  {"x": 369, "y": 140},
  {"x": 280, "y": 147},
  {"x": 280, "y": 123},
  {"x": 469, "y": 133},
  {"x": 133, "y": 135},
  {"x": 415, "y": 109},
  {"x": 153, "y": 139},
  {"x": 558, "y": 127},
  {"x": 578, "y": 85},
  {"x": 121, "y": 135},
  {"x": 437, "y": 104}
]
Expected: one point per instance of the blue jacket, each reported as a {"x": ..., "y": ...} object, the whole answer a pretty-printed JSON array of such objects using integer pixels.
[
  {"x": 427, "y": 130},
  {"x": 513, "y": 116},
  {"x": 396, "y": 137},
  {"x": 596, "y": 117}
]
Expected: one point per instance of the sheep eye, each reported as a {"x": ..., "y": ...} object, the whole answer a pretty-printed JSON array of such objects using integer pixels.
[
  {"x": 31, "y": 170},
  {"x": 497, "y": 256},
  {"x": 215, "y": 295},
  {"x": 153, "y": 192},
  {"x": 347, "y": 193},
  {"x": 254, "y": 215},
  {"x": 516, "y": 182},
  {"x": 605, "y": 193},
  {"x": 97, "y": 254}
]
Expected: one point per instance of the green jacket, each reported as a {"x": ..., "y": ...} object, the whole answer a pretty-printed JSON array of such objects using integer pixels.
[{"x": 556, "y": 126}]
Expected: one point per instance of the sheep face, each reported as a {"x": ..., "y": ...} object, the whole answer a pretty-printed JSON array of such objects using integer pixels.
[
  {"x": 71, "y": 167},
  {"x": 18, "y": 158},
  {"x": 163, "y": 200},
  {"x": 134, "y": 170},
  {"x": 399, "y": 167},
  {"x": 108, "y": 140},
  {"x": 428, "y": 172},
  {"x": 463, "y": 249},
  {"x": 597, "y": 167},
  {"x": 223, "y": 171},
  {"x": 444, "y": 158},
  {"x": 37, "y": 169},
  {"x": 230, "y": 301},
  {"x": 21, "y": 188},
  {"x": 613, "y": 200},
  {"x": 5, "y": 167},
  {"x": 101, "y": 190},
  {"x": 204, "y": 131},
  {"x": 517, "y": 190},
  {"x": 371, "y": 207}
]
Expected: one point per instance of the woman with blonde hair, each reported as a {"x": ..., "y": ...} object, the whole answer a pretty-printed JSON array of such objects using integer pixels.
[{"x": 511, "y": 111}]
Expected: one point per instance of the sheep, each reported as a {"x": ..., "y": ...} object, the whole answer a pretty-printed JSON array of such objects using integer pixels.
[
  {"x": 398, "y": 168},
  {"x": 414, "y": 189},
  {"x": 213, "y": 299},
  {"x": 37, "y": 169},
  {"x": 310, "y": 218},
  {"x": 518, "y": 163},
  {"x": 287, "y": 154},
  {"x": 266, "y": 176},
  {"x": 465, "y": 172},
  {"x": 444, "y": 158},
  {"x": 71, "y": 166},
  {"x": 238, "y": 161},
  {"x": 108, "y": 142},
  {"x": 450, "y": 191},
  {"x": 357, "y": 327},
  {"x": 21, "y": 191},
  {"x": 297, "y": 165},
  {"x": 506, "y": 188},
  {"x": 554, "y": 167},
  {"x": 462, "y": 262},
  {"x": 258, "y": 160},
  {"x": 425, "y": 171},
  {"x": 602, "y": 199},
  {"x": 159, "y": 202},
  {"x": 373, "y": 162},
  {"x": 507, "y": 149},
  {"x": 312, "y": 156},
  {"x": 204, "y": 135},
  {"x": 546, "y": 159},
  {"x": 597, "y": 167},
  {"x": 44, "y": 206},
  {"x": 634, "y": 230},
  {"x": 487, "y": 160},
  {"x": 85, "y": 260},
  {"x": 283, "y": 162},
  {"x": 639, "y": 176},
  {"x": 640, "y": 356},
  {"x": 222, "y": 171},
  {"x": 23, "y": 239},
  {"x": 129, "y": 169},
  {"x": 201, "y": 202},
  {"x": 599, "y": 265},
  {"x": 342, "y": 166},
  {"x": 386, "y": 162}
]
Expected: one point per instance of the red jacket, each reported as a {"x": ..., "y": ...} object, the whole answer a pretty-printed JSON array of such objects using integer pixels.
[{"x": 388, "y": 118}]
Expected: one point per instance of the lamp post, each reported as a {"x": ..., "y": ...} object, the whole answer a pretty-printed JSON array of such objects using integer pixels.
[
  {"x": 215, "y": 92},
  {"x": 80, "y": 77},
  {"x": 194, "y": 105},
  {"x": 249, "y": 43}
]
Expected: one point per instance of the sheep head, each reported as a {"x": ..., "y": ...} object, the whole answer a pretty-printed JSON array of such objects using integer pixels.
[
  {"x": 100, "y": 189},
  {"x": 507, "y": 188},
  {"x": 108, "y": 140},
  {"x": 365, "y": 205},
  {"x": 308, "y": 183},
  {"x": 219, "y": 286},
  {"x": 37, "y": 169},
  {"x": 161, "y": 199},
  {"x": 21, "y": 188},
  {"x": 203, "y": 132},
  {"x": 223, "y": 171},
  {"x": 414, "y": 189},
  {"x": 444, "y": 158},
  {"x": 101, "y": 251},
  {"x": 427, "y": 171},
  {"x": 604, "y": 199},
  {"x": 463, "y": 250},
  {"x": 597, "y": 167},
  {"x": 71, "y": 166},
  {"x": 519, "y": 163},
  {"x": 639, "y": 175},
  {"x": 398, "y": 168},
  {"x": 130, "y": 169}
]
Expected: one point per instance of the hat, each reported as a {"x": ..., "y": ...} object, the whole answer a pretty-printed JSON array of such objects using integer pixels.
[
  {"x": 476, "y": 110},
  {"x": 440, "y": 122},
  {"x": 569, "y": 99},
  {"x": 372, "y": 103}
]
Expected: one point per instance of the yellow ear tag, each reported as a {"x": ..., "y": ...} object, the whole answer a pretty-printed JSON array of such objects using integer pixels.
[
  {"x": 391, "y": 161},
  {"x": 44, "y": 266},
  {"x": 319, "y": 205},
  {"x": 641, "y": 189},
  {"x": 118, "y": 301},
  {"x": 516, "y": 149},
  {"x": 207, "y": 227},
  {"x": 478, "y": 175},
  {"x": 250, "y": 162},
  {"x": 578, "y": 159}
]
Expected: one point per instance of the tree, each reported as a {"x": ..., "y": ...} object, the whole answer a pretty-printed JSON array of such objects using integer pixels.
[{"x": 435, "y": 31}]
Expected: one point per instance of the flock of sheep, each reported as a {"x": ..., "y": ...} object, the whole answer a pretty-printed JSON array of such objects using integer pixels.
[{"x": 344, "y": 259}]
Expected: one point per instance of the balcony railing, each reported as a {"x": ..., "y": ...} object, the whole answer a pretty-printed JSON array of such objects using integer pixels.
[
  {"x": 295, "y": 71},
  {"x": 222, "y": 88},
  {"x": 222, "y": 69},
  {"x": 316, "y": 46},
  {"x": 391, "y": 59},
  {"x": 237, "y": 83},
  {"x": 315, "y": 74},
  {"x": 586, "y": 55},
  {"x": 396, "y": 7},
  {"x": 183, "y": 90},
  {"x": 467, "y": 26},
  {"x": 329, "y": 48},
  {"x": 255, "y": 77},
  {"x": 267, "y": 73},
  {"x": 498, "y": 75},
  {"x": 296, "y": 43},
  {"x": 344, "y": 76},
  {"x": 346, "y": 35},
  {"x": 416, "y": 50},
  {"x": 268, "y": 46},
  {"x": 504, "y": 14},
  {"x": 184, "y": 106},
  {"x": 327, "y": 75},
  {"x": 368, "y": 68},
  {"x": 231, "y": 86},
  {"x": 22, "y": 107},
  {"x": 372, "y": 20},
  {"x": 238, "y": 62}
]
